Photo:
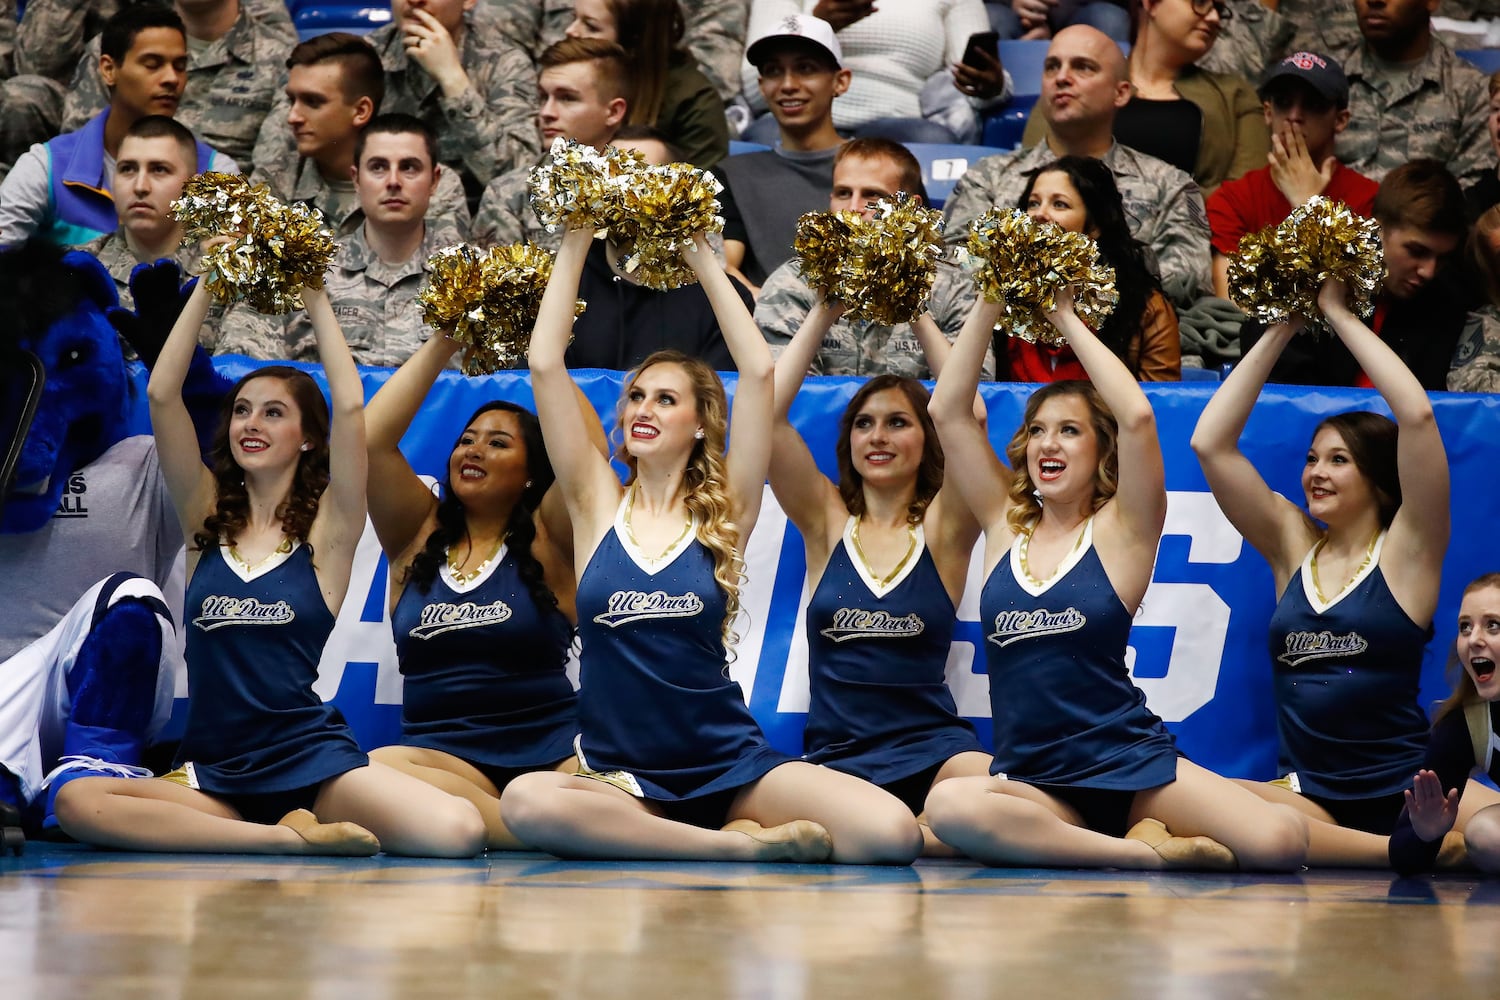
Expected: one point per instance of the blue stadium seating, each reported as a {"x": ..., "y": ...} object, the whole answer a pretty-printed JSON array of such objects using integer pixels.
[
  {"x": 319, "y": 19},
  {"x": 1199, "y": 374},
  {"x": 944, "y": 164},
  {"x": 736, "y": 147},
  {"x": 1023, "y": 60},
  {"x": 1487, "y": 60}
]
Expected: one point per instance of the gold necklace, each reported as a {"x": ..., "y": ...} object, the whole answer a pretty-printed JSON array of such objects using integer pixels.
[
  {"x": 911, "y": 547},
  {"x": 630, "y": 530},
  {"x": 1025, "y": 549},
  {"x": 455, "y": 567},
  {"x": 1313, "y": 565},
  {"x": 280, "y": 550}
]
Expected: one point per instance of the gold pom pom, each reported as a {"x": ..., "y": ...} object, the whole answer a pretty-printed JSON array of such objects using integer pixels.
[
  {"x": 487, "y": 300},
  {"x": 822, "y": 246},
  {"x": 882, "y": 268},
  {"x": 1022, "y": 265},
  {"x": 578, "y": 188},
  {"x": 276, "y": 250},
  {"x": 1278, "y": 272},
  {"x": 661, "y": 209}
]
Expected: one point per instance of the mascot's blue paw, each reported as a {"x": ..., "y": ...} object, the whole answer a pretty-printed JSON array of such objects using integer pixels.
[{"x": 113, "y": 686}]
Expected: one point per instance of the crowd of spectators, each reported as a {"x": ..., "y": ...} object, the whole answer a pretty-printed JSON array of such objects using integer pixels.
[{"x": 1211, "y": 119}]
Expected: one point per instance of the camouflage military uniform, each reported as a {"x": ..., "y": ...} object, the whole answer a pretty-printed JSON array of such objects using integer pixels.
[
  {"x": 1253, "y": 39},
  {"x": 505, "y": 214},
  {"x": 1329, "y": 26},
  {"x": 860, "y": 347},
  {"x": 715, "y": 32},
  {"x": 1438, "y": 109},
  {"x": 54, "y": 34},
  {"x": 294, "y": 178},
  {"x": 115, "y": 254},
  {"x": 1163, "y": 205},
  {"x": 373, "y": 300},
  {"x": 489, "y": 128},
  {"x": 1476, "y": 360},
  {"x": 231, "y": 86}
]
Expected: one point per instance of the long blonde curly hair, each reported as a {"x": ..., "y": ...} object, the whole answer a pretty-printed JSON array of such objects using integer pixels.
[
  {"x": 1025, "y": 507},
  {"x": 706, "y": 478}
]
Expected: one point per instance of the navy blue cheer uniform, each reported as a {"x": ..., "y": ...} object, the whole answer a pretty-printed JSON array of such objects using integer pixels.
[
  {"x": 1067, "y": 715},
  {"x": 1348, "y": 715},
  {"x": 254, "y": 724},
  {"x": 484, "y": 671},
  {"x": 658, "y": 714},
  {"x": 1461, "y": 741},
  {"x": 880, "y": 708}
]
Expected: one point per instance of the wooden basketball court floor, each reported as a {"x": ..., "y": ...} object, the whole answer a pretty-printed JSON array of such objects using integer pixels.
[{"x": 81, "y": 923}]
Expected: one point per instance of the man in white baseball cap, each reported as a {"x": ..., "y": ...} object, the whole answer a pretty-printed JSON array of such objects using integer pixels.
[{"x": 798, "y": 64}]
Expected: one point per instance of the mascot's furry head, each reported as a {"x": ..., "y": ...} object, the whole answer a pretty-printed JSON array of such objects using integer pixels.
[{"x": 56, "y": 305}]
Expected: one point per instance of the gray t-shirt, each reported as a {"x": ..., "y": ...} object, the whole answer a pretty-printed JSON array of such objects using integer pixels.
[{"x": 115, "y": 516}]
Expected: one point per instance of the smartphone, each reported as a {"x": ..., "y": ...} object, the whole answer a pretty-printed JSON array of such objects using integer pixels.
[{"x": 987, "y": 42}]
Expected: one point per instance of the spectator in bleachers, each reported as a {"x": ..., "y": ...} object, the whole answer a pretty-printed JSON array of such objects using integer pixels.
[
  {"x": 1255, "y": 37},
  {"x": 381, "y": 265},
  {"x": 714, "y": 34},
  {"x": 668, "y": 91},
  {"x": 866, "y": 171},
  {"x": 233, "y": 61},
  {"x": 905, "y": 56},
  {"x": 1476, "y": 360},
  {"x": 60, "y": 190},
  {"x": 1485, "y": 191},
  {"x": 1421, "y": 307},
  {"x": 55, "y": 34},
  {"x": 1205, "y": 124},
  {"x": 334, "y": 86},
  {"x": 7, "y": 39},
  {"x": 1306, "y": 98},
  {"x": 157, "y": 156},
  {"x": 801, "y": 76},
  {"x": 472, "y": 85},
  {"x": 30, "y": 105},
  {"x": 625, "y": 321},
  {"x": 1084, "y": 83},
  {"x": 1078, "y": 194},
  {"x": 581, "y": 95},
  {"x": 1411, "y": 97}
]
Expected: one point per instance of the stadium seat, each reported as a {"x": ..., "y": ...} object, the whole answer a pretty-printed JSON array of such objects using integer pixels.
[
  {"x": 1199, "y": 374},
  {"x": 1485, "y": 60},
  {"x": 1023, "y": 60},
  {"x": 357, "y": 18},
  {"x": 944, "y": 164}
]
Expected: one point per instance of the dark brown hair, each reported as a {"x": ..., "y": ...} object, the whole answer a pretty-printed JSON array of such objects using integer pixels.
[
  {"x": 929, "y": 471},
  {"x": 1371, "y": 440},
  {"x": 652, "y": 30},
  {"x": 232, "y": 502},
  {"x": 360, "y": 70},
  {"x": 1422, "y": 194}
]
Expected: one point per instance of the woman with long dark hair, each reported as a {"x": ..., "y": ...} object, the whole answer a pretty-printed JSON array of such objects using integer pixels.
[
  {"x": 1357, "y": 573},
  {"x": 668, "y": 90},
  {"x": 265, "y": 766},
  {"x": 1078, "y": 193},
  {"x": 481, "y": 596}
]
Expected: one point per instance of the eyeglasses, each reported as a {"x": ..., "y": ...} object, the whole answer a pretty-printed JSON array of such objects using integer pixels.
[{"x": 1202, "y": 7}]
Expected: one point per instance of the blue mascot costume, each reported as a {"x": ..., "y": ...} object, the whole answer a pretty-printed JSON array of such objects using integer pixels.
[{"x": 88, "y": 538}]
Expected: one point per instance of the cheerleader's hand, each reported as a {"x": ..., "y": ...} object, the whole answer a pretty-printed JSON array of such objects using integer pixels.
[{"x": 1431, "y": 812}]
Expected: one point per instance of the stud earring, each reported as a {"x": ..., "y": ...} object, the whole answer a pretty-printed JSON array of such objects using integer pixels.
[
  {"x": 698, "y": 434},
  {"x": 306, "y": 446},
  {"x": 528, "y": 485}
]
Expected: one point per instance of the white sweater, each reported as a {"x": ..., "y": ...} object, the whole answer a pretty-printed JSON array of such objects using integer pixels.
[{"x": 890, "y": 53}]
